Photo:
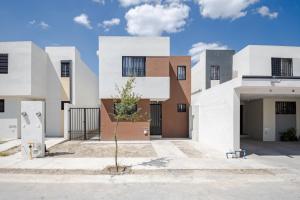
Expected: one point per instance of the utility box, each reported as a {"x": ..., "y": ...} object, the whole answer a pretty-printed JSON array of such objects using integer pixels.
[{"x": 33, "y": 129}]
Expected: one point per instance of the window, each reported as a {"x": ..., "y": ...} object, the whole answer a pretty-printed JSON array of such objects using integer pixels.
[
  {"x": 133, "y": 66},
  {"x": 1, "y": 105},
  {"x": 214, "y": 72},
  {"x": 65, "y": 69},
  {"x": 282, "y": 67},
  {"x": 181, "y": 72},
  {"x": 63, "y": 104},
  {"x": 131, "y": 110},
  {"x": 181, "y": 107},
  {"x": 285, "y": 107},
  {"x": 3, "y": 63}
]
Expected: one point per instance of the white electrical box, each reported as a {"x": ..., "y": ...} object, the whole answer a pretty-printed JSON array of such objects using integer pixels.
[{"x": 33, "y": 129}]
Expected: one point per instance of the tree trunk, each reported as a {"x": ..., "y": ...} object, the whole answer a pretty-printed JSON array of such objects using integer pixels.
[{"x": 116, "y": 145}]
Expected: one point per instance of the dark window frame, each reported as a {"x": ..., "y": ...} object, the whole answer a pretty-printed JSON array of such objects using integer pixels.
[
  {"x": 215, "y": 72},
  {"x": 133, "y": 73},
  {"x": 184, "y": 72},
  {"x": 181, "y": 107},
  {"x": 278, "y": 68},
  {"x": 62, "y": 104},
  {"x": 285, "y": 107},
  {"x": 4, "y": 61},
  {"x": 65, "y": 73},
  {"x": 2, "y": 105}
]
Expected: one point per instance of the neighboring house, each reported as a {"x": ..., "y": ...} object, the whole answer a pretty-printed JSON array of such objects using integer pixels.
[
  {"x": 56, "y": 75},
  {"x": 261, "y": 101},
  {"x": 162, "y": 81}
]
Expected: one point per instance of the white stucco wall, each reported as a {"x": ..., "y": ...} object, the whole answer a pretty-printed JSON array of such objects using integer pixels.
[
  {"x": 26, "y": 70},
  {"x": 198, "y": 73},
  {"x": 256, "y": 59},
  {"x": 219, "y": 109},
  {"x": 111, "y": 50}
]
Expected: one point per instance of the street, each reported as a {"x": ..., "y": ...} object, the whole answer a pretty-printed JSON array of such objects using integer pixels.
[{"x": 170, "y": 186}]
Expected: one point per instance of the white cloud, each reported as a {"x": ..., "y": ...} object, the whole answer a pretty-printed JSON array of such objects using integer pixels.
[
  {"x": 126, "y": 3},
  {"x": 224, "y": 9},
  {"x": 41, "y": 24},
  {"x": 44, "y": 25},
  {"x": 100, "y": 2},
  {"x": 149, "y": 20},
  {"x": 265, "y": 12},
  {"x": 32, "y": 22},
  {"x": 199, "y": 47},
  {"x": 107, "y": 24},
  {"x": 83, "y": 20}
]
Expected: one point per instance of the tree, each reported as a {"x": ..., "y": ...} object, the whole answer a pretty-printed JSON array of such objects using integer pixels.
[{"x": 125, "y": 109}]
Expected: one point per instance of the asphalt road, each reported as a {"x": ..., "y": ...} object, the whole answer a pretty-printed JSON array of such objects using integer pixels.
[{"x": 199, "y": 186}]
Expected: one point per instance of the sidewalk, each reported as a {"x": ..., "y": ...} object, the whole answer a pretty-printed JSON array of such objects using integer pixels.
[{"x": 169, "y": 157}]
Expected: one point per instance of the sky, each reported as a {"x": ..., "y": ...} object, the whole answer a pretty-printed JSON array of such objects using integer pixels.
[{"x": 192, "y": 25}]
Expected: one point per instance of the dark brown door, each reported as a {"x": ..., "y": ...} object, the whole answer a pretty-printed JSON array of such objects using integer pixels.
[{"x": 156, "y": 119}]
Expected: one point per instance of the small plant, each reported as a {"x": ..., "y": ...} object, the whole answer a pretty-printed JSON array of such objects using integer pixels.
[
  {"x": 3, "y": 154},
  {"x": 125, "y": 109},
  {"x": 289, "y": 135}
]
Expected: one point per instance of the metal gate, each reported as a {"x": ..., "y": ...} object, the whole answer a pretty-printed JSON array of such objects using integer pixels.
[
  {"x": 84, "y": 123},
  {"x": 156, "y": 119}
]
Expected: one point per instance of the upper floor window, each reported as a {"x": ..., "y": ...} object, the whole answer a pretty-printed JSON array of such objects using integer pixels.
[
  {"x": 133, "y": 66},
  {"x": 282, "y": 67},
  {"x": 181, "y": 72},
  {"x": 3, "y": 63},
  {"x": 181, "y": 107},
  {"x": 1, "y": 105},
  {"x": 65, "y": 69},
  {"x": 214, "y": 72}
]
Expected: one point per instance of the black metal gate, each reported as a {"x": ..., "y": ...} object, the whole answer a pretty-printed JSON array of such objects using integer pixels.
[
  {"x": 84, "y": 123},
  {"x": 156, "y": 119}
]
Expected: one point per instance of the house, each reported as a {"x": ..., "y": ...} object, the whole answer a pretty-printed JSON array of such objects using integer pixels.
[
  {"x": 56, "y": 75},
  {"x": 162, "y": 81},
  {"x": 261, "y": 101}
]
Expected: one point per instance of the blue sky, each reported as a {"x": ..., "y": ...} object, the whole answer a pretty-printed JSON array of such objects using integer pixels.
[{"x": 193, "y": 25}]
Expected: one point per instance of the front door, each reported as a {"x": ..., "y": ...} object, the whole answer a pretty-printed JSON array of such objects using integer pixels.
[{"x": 156, "y": 118}]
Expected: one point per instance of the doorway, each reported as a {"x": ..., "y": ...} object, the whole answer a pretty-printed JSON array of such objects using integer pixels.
[{"x": 156, "y": 119}]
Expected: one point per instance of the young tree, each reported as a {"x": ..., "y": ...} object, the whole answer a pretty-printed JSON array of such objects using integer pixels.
[{"x": 125, "y": 109}]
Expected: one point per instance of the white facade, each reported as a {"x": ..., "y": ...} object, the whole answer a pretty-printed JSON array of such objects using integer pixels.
[
  {"x": 111, "y": 50},
  {"x": 257, "y": 91},
  {"x": 34, "y": 74}
]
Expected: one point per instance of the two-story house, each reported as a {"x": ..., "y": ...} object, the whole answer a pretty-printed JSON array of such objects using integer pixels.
[
  {"x": 261, "y": 101},
  {"x": 56, "y": 75},
  {"x": 162, "y": 81}
]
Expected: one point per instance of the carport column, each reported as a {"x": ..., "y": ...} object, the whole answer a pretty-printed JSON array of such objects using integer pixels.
[
  {"x": 269, "y": 132},
  {"x": 236, "y": 120}
]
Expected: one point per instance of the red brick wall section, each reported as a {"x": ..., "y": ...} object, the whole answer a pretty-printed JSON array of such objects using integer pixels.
[
  {"x": 176, "y": 124},
  {"x": 126, "y": 130}
]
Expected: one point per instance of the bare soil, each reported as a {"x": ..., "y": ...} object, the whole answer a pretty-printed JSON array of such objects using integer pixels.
[{"x": 81, "y": 149}]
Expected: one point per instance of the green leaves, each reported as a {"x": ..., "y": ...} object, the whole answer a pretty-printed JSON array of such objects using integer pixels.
[{"x": 125, "y": 104}]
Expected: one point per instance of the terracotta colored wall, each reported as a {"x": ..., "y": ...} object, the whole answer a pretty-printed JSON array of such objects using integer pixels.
[
  {"x": 176, "y": 124},
  {"x": 157, "y": 66},
  {"x": 126, "y": 130}
]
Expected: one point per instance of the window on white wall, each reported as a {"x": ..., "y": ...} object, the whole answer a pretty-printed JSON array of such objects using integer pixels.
[
  {"x": 3, "y": 63},
  {"x": 283, "y": 107},
  {"x": 133, "y": 66},
  {"x": 282, "y": 67},
  {"x": 214, "y": 72},
  {"x": 65, "y": 69},
  {"x": 2, "y": 105}
]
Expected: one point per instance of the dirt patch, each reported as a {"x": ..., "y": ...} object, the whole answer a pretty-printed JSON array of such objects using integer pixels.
[
  {"x": 187, "y": 149},
  {"x": 79, "y": 149},
  {"x": 10, "y": 151}
]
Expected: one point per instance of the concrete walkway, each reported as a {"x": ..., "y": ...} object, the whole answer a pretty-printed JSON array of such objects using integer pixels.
[{"x": 9, "y": 144}]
